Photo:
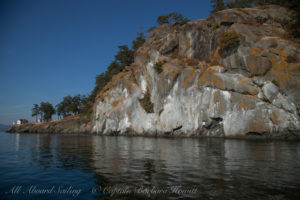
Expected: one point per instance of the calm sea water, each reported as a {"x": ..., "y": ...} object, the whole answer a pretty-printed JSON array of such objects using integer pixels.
[{"x": 36, "y": 166}]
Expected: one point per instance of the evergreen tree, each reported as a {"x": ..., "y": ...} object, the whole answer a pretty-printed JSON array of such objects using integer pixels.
[
  {"x": 173, "y": 17},
  {"x": 47, "y": 109},
  {"x": 76, "y": 104},
  {"x": 35, "y": 111},
  {"x": 162, "y": 19},
  {"x": 139, "y": 41},
  {"x": 176, "y": 17},
  {"x": 218, "y": 5},
  {"x": 124, "y": 56},
  {"x": 239, "y": 3},
  {"x": 59, "y": 110},
  {"x": 69, "y": 105}
]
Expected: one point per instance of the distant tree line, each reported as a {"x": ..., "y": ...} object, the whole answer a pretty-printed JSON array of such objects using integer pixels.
[
  {"x": 45, "y": 110},
  {"x": 70, "y": 105}
]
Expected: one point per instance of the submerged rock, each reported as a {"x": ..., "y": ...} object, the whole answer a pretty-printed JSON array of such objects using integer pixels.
[{"x": 251, "y": 87}]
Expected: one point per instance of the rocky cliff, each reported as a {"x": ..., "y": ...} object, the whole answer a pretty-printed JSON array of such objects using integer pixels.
[{"x": 235, "y": 73}]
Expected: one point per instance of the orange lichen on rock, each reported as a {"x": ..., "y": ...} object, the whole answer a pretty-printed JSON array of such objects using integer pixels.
[
  {"x": 187, "y": 45},
  {"x": 257, "y": 64},
  {"x": 170, "y": 71},
  {"x": 244, "y": 102},
  {"x": 217, "y": 82},
  {"x": 206, "y": 76},
  {"x": 118, "y": 102},
  {"x": 216, "y": 54},
  {"x": 258, "y": 125},
  {"x": 126, "y": 77},
  {"x": 280, "y": 71},
  {"x": 189, "y": 78},
  {"x": 220, "y": 101},
  {"x": 245, "y": 80},
  {"x": 274, "y": 117},
  {"x": 255, "y": 52}
]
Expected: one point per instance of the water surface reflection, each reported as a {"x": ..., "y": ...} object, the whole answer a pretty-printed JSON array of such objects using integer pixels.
[{"x": 207, "y": 168}]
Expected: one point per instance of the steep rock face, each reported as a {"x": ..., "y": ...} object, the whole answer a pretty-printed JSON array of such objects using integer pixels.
[{"x": 250, "y": 88}]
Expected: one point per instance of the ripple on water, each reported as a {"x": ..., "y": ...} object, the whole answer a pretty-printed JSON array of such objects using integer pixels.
[{"x": 217, "y": 168}]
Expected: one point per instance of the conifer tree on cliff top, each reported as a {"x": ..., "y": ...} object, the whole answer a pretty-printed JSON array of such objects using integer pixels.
[{"x": 218, "y": 5}]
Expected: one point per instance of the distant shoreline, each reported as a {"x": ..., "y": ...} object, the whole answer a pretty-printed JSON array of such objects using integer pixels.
[{"x": 71, "y": 124}]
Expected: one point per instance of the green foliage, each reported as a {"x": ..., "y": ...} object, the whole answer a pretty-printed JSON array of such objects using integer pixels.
[
  {"x": 178, "y": 18},
  {"x": 228, "y": 39},
  {"x": 158, "y": 66},
  {"x": 35, "y": 111},
  {"x": 213, "y": 26},
  {"x": 218, "y": 5},
  {"x": 47, "y": 111},
  {"x": 146, "y": 103},
  {"x": 239, "y": 3},
  {"x": 163, "y": 19},
  {"x": 139, "y": 41},
  {"x": 70, "y": 105},
  {"x": 151, "y": 29},
  {"x": 76, "y": 104},
  {"x": 287, "y": 3},
  {"x": 173, "y": 17},
  {"x": 86, "y": 107},
  {"x": 124, "y": 56}
]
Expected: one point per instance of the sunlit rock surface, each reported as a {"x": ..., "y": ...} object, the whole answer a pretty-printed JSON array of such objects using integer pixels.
[{"x": 252, "y": 88}]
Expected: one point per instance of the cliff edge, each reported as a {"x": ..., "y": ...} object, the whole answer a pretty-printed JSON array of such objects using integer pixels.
[{"x": 235, "y": 73}]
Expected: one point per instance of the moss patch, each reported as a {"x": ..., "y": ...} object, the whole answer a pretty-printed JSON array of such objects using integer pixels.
[
  {"x": 213, "y": 26},
  {"x": 158, "y": 66}
]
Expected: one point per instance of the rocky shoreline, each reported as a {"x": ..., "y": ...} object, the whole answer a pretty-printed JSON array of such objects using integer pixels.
[
  {"x": 76, "y": 125},
  {"x": 71, "y": 124}
]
